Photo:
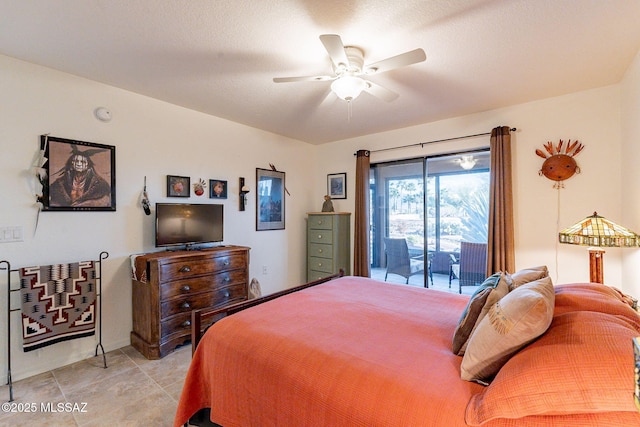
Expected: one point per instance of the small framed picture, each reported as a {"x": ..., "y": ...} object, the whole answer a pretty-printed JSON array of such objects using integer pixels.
[
  {"x": 178, "y": 186},
  {"x": 337, "y": 185},
  {"x": 217, "y": 189}
]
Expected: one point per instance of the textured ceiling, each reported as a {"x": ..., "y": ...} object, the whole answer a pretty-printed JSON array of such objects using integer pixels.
[{"x": 219, "y": 56}]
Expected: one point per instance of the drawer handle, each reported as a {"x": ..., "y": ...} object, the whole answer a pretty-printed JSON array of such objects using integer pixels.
[
  {"x": 319, "y": 236},
  {"x": 186, "y": 288},
  {"x": 319, "y": 264},
  {"x": 227, "y": 279},
  {"x": 185, "y": 269},
  {"x": 227, "y": 262},
  {"x": 319, "y": 251},
  {"x": 227, "y": 294},
  {"x": 186, "y": 305},
  {"x": 319, "y": 222},
  {"x": 186, "y": 324}
]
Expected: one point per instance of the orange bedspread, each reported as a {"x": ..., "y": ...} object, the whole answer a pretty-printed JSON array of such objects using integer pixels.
[{"x": 350, "y": 352}]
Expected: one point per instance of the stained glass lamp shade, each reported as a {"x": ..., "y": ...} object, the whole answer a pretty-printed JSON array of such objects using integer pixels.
[{"x": 596, "y": 231}]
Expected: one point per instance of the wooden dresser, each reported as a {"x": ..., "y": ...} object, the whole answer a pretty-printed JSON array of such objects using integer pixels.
[
  {"x": 328, "y": 244},
  {"x": 168, "y": 285}
]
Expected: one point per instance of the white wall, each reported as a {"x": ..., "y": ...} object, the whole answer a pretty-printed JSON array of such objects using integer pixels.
[
  {"x": 592, "y": 117},
  {"x": 152, "y": 139},
  {"x": 630, "y": 124}
]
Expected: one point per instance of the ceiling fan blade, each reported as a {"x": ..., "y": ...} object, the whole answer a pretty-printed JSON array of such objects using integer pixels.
[
  {"x": 335, "y": 48},
  {"x": 380, "y": 92},
  {"x": 407, "y": 58},
  {"x": 302, "y": 79}
]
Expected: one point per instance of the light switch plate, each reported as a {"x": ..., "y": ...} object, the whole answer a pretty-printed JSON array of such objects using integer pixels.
[{"x": 11, "y": 234}]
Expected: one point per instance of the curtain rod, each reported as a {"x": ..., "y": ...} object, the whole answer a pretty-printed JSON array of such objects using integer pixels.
[{"x": 422, "y": 144}]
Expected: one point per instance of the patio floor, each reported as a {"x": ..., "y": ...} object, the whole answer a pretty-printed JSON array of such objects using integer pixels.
[{"x": 440, "y": 281}]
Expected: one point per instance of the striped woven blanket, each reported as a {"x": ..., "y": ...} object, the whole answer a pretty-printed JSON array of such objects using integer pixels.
[{"x": 58, "y": 303}]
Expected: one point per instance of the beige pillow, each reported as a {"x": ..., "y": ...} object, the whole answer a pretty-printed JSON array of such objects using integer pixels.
[
  {"x": 488, "y": 293},
  {"x": 513, "y": 322},
  {"x": 527, "y": 275}
]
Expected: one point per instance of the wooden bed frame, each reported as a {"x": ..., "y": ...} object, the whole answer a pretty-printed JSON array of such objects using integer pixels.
[{"x": 206, "y": 315}]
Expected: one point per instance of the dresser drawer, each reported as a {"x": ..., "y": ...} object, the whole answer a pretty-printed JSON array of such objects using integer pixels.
[
  {"x": 217, "y": 298},
  {"x": 195, "y": 267},
  {"x": 184, "y": 287},
  {"x": 320, "y": 236},
  {"x": 179, "y": 324},
  {"x": 323, "y": 222},
  {"x": 320, "y": 250},
  {"x": 320, "y": 264},
  {"x": 316, "y": 275}
]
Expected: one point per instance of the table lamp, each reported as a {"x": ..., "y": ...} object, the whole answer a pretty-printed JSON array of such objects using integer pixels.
[{"x": 597, "y": 232}]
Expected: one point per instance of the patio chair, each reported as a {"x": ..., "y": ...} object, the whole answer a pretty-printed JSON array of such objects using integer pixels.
[
  {"x": 398, "y": 260},
  {"x": 441, "y": 263},
  {"x": 473, "y": 264}
]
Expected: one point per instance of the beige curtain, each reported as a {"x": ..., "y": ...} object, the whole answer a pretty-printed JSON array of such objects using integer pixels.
[
  {"x": 361, "y": 266},
  {"x": 500, "y": 251}
]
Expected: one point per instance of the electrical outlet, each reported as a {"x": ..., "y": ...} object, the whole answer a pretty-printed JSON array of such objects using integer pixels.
[{"x": 264, "y": 269}]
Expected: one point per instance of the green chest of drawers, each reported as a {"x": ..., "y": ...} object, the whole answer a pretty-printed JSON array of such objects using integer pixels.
[{"x": 328, "y": 244}]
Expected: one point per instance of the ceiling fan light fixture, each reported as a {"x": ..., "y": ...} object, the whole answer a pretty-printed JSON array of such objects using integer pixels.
[
  {"x": 467, "y": 162},
  {"x": 348, "y": 87}
]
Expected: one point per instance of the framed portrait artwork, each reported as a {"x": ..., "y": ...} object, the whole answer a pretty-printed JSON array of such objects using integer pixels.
[
  {"x": 178, "y": 186},
  {"x": 269, "y": 200},
  {"x": 337, "y": 185},
  {"x": 217, "y": 189},
  {"x": 80, "y": 176}
]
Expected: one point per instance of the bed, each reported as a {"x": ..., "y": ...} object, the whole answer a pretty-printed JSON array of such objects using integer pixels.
[{"x": 357, "y": 352}]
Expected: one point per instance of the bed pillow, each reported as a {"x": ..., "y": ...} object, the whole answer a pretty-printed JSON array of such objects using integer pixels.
[
  {"x": 566, "y": 371},
  {"x": 527, "y": 275},
  {"x": 488, "y": 293},
  {"x": 513, "y": 322},
  {"x": 593, "y": 297}
]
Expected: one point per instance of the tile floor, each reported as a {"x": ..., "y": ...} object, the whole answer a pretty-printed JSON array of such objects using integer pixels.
[{"x": 132, "y": 391}]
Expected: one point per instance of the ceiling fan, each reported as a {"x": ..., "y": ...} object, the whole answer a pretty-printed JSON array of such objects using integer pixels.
[{"x": 349, "y": 70}]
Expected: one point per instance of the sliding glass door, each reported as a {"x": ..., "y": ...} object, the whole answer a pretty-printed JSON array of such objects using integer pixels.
[
  {"x": 432, "y": 203},
  {"x": 397, "y": 212}
]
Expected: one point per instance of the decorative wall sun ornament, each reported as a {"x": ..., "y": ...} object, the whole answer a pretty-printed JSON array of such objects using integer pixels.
[
  {"x": 198, "y": 187},
  {"x": 559, "y": 164}
]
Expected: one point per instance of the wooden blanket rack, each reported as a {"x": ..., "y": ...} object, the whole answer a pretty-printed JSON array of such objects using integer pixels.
[{"x": 5, "y": 265}]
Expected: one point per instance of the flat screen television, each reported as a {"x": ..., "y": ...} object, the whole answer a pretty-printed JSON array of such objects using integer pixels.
[{"x": 187, "y": 224}]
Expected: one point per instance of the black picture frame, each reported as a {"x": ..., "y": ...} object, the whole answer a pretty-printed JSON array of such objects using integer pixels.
[
  {"x": 337, "y": 185},
  {"x": 270, "y": 202},
  {"x": 178, "y": 186},
  {"x": 90, "y": 166},
  {"x": 217, "y": 189}
]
